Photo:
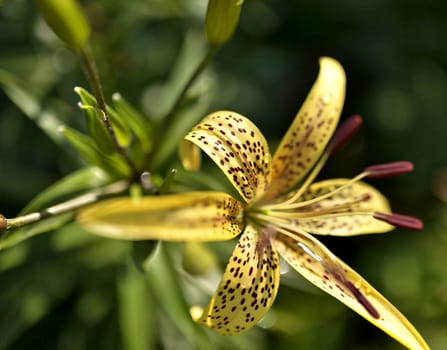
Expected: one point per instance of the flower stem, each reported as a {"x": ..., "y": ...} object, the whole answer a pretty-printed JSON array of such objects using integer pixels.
[
  {"x": 168, "y": 119},
  {"x": 67, "y": 206},
  {"x": 93, "y": 76}
]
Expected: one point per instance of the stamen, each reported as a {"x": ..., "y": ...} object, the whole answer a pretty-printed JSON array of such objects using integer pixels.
[
  {"x": 288, "y": 204},
  {"x": 345, "y": 209},
  {"x": 263, "y": 218},
  {"x": 381, "y": 171},
  {"x": 344, "y": 133},
  {"x": 401, "y": 221},
  {"x": 340, "y": 138},
  {"x": 310, "y": 178}
]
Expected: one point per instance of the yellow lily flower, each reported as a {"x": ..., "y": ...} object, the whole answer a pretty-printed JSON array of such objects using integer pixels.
[{"x": 280, "y": 208}]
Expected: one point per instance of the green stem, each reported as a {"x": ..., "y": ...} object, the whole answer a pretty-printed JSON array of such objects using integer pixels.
[
  {"x": 93, "y": 76},
  {"x": 168, "y": 119},
  {"x": 67, "y": 206}
]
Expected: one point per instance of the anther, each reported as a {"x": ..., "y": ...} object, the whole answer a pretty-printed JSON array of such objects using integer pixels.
[
  {"x": 344, "y": 133},
  {"x": 381, "y": 171},
  {"x": 365, "y": 197},
  {"x": 402, "y": 221}
]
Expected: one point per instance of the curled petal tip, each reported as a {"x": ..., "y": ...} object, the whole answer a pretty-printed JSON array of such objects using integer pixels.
[
  {"x": 344, "y": 133},
  {"x": 401, "y": 221},
  {"x": 392, "y": 169}
]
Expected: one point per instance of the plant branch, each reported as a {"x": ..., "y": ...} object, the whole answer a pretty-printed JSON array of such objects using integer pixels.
[
  {"x": 93, "y": 76},
  {"x": 64, "y": 207},
  {"x": 168, "y": 119}
]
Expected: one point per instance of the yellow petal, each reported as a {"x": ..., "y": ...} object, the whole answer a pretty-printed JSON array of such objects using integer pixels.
[
  {"x": 237, "y": 146},
  {"x": 317, "y": 264},
  {"x": 355, "y": 220},
  {"x": 248, "y": 286},
  {"x": 190, "y": 155},
  {"x": 195, "y": 216},
  {"x": 311, "y": 130}
]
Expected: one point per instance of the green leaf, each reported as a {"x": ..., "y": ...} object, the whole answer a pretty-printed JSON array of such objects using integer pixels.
[
  {"x": 192, "y": 51},
  {"x": 137, "y": 123},
  {"x": 98, "y": 130},
  {"x": 30, "y": 105},
  {"x": 120, "y": 126},
  {"x": 164, "y": 282},
  {"x": 34, "y": 289},
  {"x": 71, "y": 185},
  {"x": 193, "y": 107},
  {"x": 33, "y": 301},
  {"x": 14, "y": 236},
  {"x": 114, "y": 165},
  {"x": 167, "y": 182},
  {"x": 95, "y": 116},
  {"x": 142, "y": 251},
  {"x": 136, "y": 310},
  {"x": 185, "y": 119},
  {"x": 94, "y": 122}
]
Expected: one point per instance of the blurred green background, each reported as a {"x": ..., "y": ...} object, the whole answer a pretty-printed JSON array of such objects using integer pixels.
[{"x": 67, "y": 290}]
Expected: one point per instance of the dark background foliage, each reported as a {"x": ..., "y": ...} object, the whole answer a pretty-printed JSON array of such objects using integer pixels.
[{"x": 57, "y": 294}]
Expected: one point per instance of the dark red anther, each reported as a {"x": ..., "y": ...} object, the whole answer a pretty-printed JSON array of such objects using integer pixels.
[
  {"x": 392, "y": 169},
  {"x": 365, "y": 197},
  {"x": 402, "y": 221},
  {"x": 344, "y": 133}
]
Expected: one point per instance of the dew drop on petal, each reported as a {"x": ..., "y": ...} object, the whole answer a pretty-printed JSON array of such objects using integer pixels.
[{"x": 326, "y": 99}]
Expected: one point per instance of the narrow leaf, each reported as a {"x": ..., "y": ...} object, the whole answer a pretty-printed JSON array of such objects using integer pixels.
[
  {"x": 164, "y": 282},
  {"x": 88, "y": 150},
  {"x": 136, "y": 315},
  {"x": 74, "y": 183}
]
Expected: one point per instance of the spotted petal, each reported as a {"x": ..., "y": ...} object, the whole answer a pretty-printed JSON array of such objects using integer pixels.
[
  {"x": 311, "y": 130},
  {"x": 317, "y": 264},
  {"x": 248, "y": 286},
  {"x": 356, "y": 202},
  {"x": 195, "y": 216},
  {"x": 237, "y": 146}
]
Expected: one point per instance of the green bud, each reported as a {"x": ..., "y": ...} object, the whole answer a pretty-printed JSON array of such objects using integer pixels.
[
  {"x": 222, "y": 17},
  {"x": 66, "y": 20},
  {"x": 198, "y": 259}
]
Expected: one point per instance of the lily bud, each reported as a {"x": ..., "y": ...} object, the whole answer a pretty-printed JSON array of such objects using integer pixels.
[
  {"x": 222, "y": 17},
  {"x": 197, "y": 258},
  {"x": 66, "y": 20}
]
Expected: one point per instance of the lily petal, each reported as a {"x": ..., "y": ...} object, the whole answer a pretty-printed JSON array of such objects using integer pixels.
[
  {"x": 311, "y": 130},
  {"x": 356, "y": 219},
  {"x": 189, "y": 155},
  {"x": 248, "y": 286},
  {"x": 317, "y": 264},
  {"x": 194, "y": 216},
  {"x": 237, "y": 146}
]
